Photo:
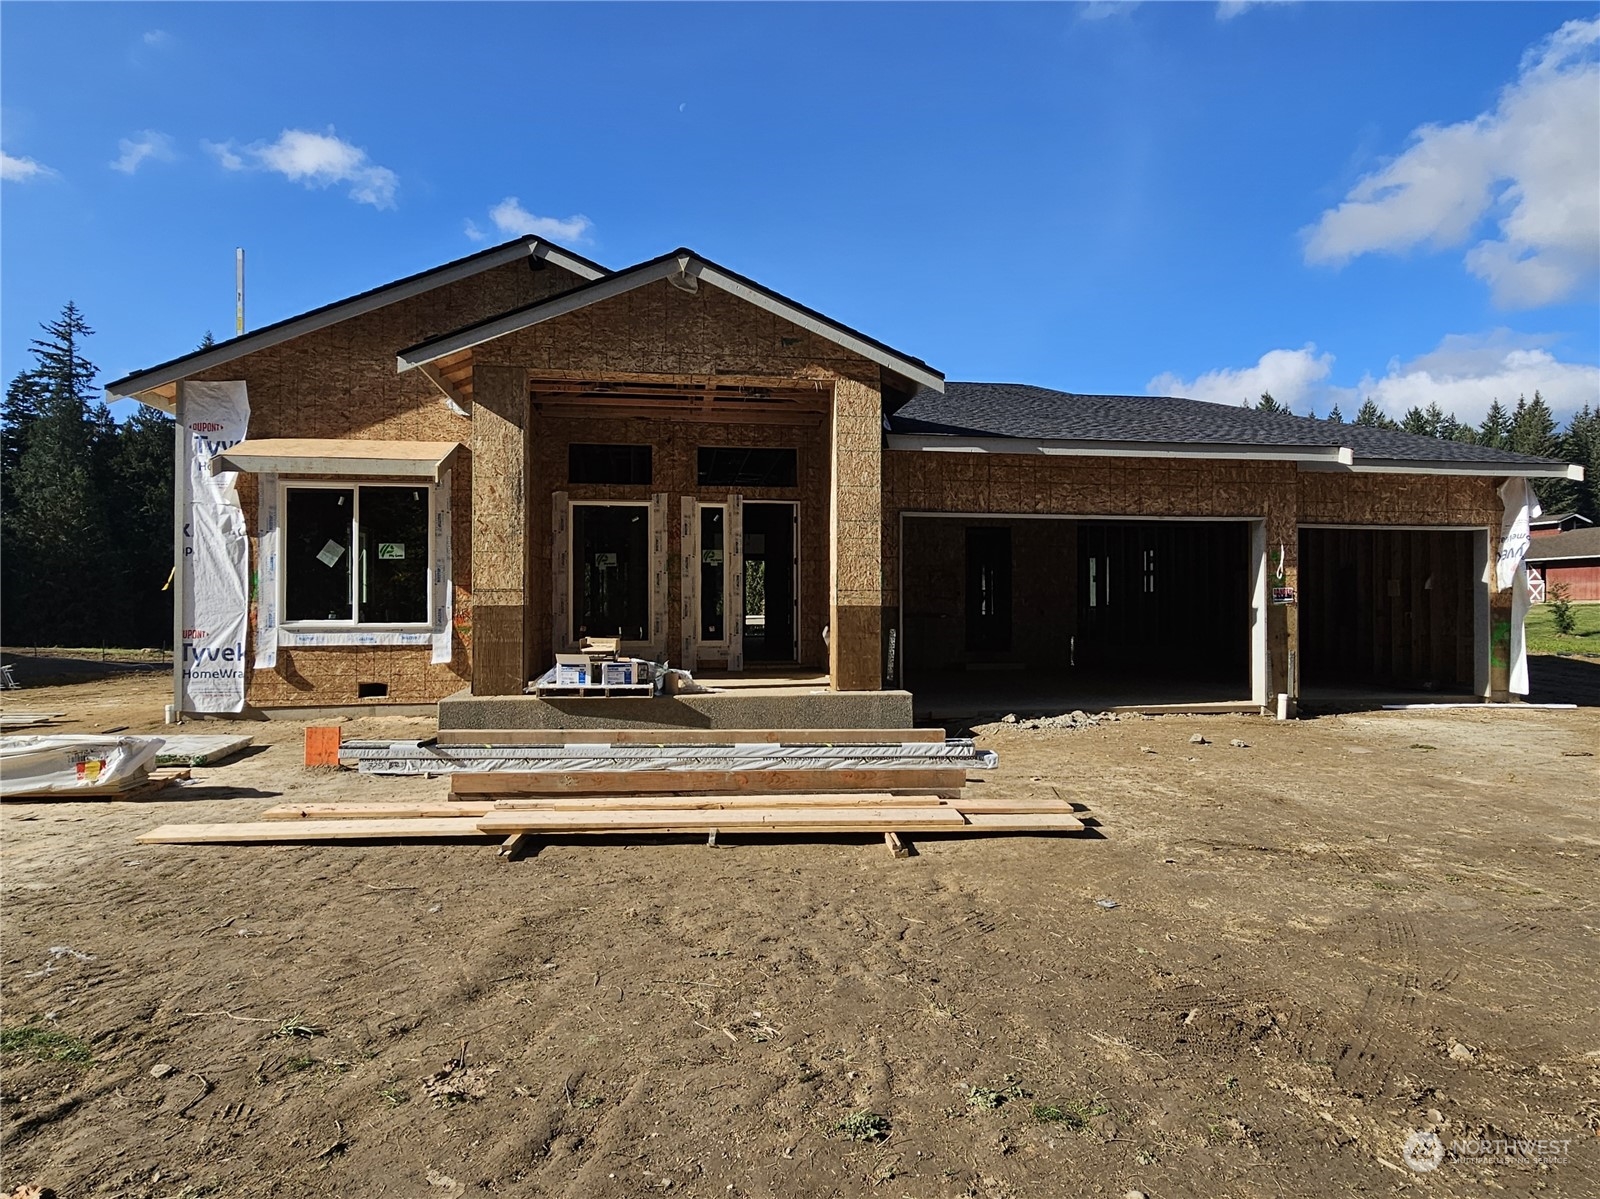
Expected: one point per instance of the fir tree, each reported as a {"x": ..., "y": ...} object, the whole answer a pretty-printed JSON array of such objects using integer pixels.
[
  {"x": 1533, "y": 427},
  {"x": 1336, "y": 416},
  {"x": 1496, "y": 428},
  {"x": 1268, "y": 404},
  {"x": 57, "y": 539},
  {"x": 1372, "y": 416}
]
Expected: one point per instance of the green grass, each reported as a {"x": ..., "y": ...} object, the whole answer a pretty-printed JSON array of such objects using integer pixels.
[
  {"x": 45, "y": 1044},
  {"x": 1542, "y": 637}
]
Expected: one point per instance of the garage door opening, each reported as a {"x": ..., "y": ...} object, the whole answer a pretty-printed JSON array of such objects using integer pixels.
[
  {"x": 1052, "y": 614},
  {"x": 1390, "y": 610}
]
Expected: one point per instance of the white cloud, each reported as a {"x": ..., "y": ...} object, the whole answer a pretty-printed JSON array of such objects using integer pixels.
[
  {"x": 157, "y": 37},
  {"x": 22, "y": 170},
  {"x": 1101, "y": 10},
  {"x": 1464, "y": 374},
  {"x": 1532, "y": 163},
  {"x": 470, "y": 228},
  {"x": 149, "y": 144},
  {"x": 1229, "y": 9},
  {"x": 223, "y": 152},
  {"x": 509, "y": 216},
  {"x": 1294, "y": 377},
  {"x": 315, "y": 159}
]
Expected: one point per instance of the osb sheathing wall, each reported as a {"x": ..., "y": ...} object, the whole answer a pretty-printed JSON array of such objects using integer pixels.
[
  {"x": 659, "y": 329},
  {"x": 675, "y": 471},
  {"x": 1282, "y": 495},
  {"x": 341, "y": 382}
]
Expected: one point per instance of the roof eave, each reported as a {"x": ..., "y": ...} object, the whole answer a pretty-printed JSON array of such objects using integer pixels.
[
  {"x": 135, "y": 386},
  {"x": 687, "y": 271},
  {"x": 1406, "y": 466},
  {"x": 1333, "y": 456}
]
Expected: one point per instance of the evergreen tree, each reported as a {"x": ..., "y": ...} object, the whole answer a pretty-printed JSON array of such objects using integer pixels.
[
  {"x": 1533, "y": 428},
  {"x": 57, "y": 538},
  {"x": 207, "y": 341},
  {"x": 1336, "y": 416},
  {"x": 1580, "y": 443},
  {"x": 1496, "y": 428},
  {"x": 1372, "y": 416},
  {"x": 1268, "y": 404}
]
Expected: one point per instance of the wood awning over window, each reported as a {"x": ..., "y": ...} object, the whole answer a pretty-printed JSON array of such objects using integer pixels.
[{"x": 320, "y": 456}]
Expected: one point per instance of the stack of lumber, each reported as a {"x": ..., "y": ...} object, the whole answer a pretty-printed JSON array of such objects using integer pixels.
[{"x": 891, "y": 797}]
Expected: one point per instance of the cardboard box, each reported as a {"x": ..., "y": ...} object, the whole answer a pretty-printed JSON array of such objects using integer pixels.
[
  {"x": 619, "y": 674},
  {"x": 573, "y": 670}
]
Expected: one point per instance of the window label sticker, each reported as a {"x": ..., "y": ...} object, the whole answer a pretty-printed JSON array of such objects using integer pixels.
[
  {"x": 331, "y": 553},
  {"x": 391, "y": 550},
  {"x": 605, "y": 559}
]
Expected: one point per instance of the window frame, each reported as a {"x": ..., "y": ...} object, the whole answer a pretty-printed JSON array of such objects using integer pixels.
[
  {"x": 567, "y": 634},
  {"x": 353, "y": 485}
]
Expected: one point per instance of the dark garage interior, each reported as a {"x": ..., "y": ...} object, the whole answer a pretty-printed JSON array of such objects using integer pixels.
[
  {"x": 1048, "y": 614},
  {"x": 1387, "y": 609}
]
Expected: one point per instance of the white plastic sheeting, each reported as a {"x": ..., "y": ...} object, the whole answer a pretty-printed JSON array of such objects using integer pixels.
[
  {"x": 214, "y": 584},
  {"x": 74, "y": 764},
  {"x": 1521, "y": 507}
]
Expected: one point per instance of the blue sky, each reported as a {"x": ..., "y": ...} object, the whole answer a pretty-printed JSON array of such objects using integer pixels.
[{"x": 1327, "y": 200}]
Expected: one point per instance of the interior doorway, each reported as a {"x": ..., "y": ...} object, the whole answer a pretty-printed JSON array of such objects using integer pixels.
[{"x": 771, "y": 575}]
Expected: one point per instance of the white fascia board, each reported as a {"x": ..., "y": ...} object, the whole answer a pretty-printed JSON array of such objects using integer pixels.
[
  {"x": 526, "y": 318},
  {"x": 334, "y": 313},
  {"x": 792, "y": 314},
  {"x": 1499, "y": 470},
  {"x": 690, "y": 271},
  {"x": 1333, "y": 456}
]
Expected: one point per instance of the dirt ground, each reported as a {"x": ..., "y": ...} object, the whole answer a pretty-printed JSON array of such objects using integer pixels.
[{"x": 1358, "y": 927}]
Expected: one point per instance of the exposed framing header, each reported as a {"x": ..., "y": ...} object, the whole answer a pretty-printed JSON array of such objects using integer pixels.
[
  {"x": 142, "y": 386},
  {"x": 686, "y": 271}
]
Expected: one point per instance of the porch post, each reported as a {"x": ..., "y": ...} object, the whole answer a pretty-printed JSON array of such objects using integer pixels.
[
  {"x": 499, "y": 530},
  {"x": 855, "y": 609}
]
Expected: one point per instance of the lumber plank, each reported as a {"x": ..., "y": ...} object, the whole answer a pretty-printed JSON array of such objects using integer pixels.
[
  {"x": 705, "y": 782},
  {"x": 757, "y": 820},
  {"x": 682, "y": 803},
  {"x": 1021, "y": 822},
  {"x": 688, "y": 736},
  {"x": 309, "y": 830},
  {"x": 440, "y": 809},
  {"x": 516, "y": 845},
  {"x": 998, "y": 806},
  {"x": 897, "y": 847}
]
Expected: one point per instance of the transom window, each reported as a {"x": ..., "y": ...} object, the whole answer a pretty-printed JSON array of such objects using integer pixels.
[
  {"x": 746, "y": 466},
  {"x": 356, "y": 555}
]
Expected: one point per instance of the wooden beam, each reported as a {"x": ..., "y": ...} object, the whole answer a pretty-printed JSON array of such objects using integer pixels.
[
  {"x": 310, "y": 830},
  {"x": 704, "y": 782},
  {"x": 1022, "y": 822},
  {"x": 758, "y": 820},
  {"x": 446, "y": 389},
  {"x": 715, "y": 803},
  {"x": 439, "y": 810},
  {"x": 897, "y": 847},
  {"x": 516, "y": 846},
  {"x": 689, "y": 736}
]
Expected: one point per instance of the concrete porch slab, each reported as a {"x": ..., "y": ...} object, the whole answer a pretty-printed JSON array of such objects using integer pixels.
[{"x": 774, "y": 705}]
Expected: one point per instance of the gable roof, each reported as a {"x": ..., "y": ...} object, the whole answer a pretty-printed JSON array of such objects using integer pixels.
[
  {"x": 1562, "y": 547},
  {"x": 1021, "y": 418},
  {"x": 137, "y": 385},
  {"x": 686, "y": 270},
  {"x": 1548, "y": 519}
]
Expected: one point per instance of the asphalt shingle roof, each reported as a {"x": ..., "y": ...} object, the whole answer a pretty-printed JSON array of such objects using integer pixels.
[
  {"x": 1032, "y": 413},
  {"x": 1559, "y": 547}
]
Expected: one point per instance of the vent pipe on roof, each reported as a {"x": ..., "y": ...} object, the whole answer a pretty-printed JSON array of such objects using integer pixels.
[{"x": 238, "y": 291}]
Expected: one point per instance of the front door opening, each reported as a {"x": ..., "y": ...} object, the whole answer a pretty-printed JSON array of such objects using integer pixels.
[
  {"x": 611, "y": 571},
  {"x": 771, "y": 564}
]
